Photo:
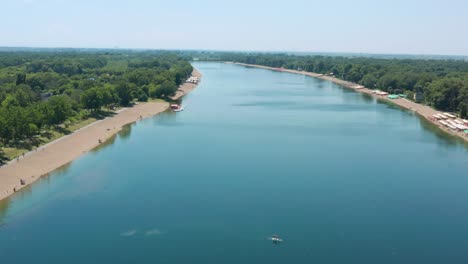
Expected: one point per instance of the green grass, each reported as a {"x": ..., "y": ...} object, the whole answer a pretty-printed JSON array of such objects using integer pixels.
[
  {"x": 47, "y": 137},
  {"x": 11, "y": 153},
  {"x": 81, "y": 124}
]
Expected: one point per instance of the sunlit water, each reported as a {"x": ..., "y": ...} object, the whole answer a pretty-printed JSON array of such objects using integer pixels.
[{"x": 340, "y": 177}]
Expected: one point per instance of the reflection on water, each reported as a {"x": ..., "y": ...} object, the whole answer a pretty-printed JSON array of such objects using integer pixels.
[
  {"x": 166, "y": 118},
  {"x": 444, "y": 139},
  {"x": 368, "y": 98},
  {"x": 4, "y": 205},
  {"x": 105, "y": 144},
  {"x": 32, "y": 193},
  {"x": 125, "y": 132},
  {"x": 290, "y": 83}
]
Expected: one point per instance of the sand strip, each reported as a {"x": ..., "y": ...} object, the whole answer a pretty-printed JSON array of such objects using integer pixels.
[
  {"x": 186, "y": 87},
  {"x": 422, "y": 110},
  {"x": 55, "y": 154}
]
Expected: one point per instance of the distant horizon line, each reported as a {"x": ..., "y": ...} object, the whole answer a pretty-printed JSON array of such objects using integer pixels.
[{"x": 239, "y": 51}]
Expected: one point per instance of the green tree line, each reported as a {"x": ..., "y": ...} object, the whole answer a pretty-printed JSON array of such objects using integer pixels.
[{"x": 40, "y": 90}]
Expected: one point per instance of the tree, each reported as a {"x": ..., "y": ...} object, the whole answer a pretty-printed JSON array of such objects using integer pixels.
[
  {"x": 124, "y": 93},
  {"x": 20, "y": 78},
  {"x": 463, "y": 110},
  {"x": 369, "y": 80},
  {"x": 143, "y": 98},
  {"x": 24, "y": 96},
  {"x": 109, "y": 96},
  {"x": 58, "y": 109},
  {"x": 92, "y": 99},
  {"x": 168, "y": 88},
  {"x": 10, "y": 101},
  {"x": 444, "y": 93}
]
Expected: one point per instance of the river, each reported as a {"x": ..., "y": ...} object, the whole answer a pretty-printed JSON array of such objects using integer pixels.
[{"x": 341, "y": 177}]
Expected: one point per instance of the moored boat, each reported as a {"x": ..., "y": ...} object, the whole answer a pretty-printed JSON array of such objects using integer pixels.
[{"x": 178, "y": 108}]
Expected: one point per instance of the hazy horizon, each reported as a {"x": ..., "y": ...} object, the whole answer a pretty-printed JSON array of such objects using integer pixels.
[
  {"x": 363, "y": 26},
  {"x": 236, "y": 51}
]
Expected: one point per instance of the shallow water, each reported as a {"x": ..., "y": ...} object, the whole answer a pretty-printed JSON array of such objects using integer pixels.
[{"x": 340, "y": 177}]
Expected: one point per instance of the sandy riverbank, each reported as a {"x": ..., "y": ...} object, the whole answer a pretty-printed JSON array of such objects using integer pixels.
[
  {"x": 54, "y": 155},
  {"x": 186, "y": 87},
  {"x": 422, "y": 110}
]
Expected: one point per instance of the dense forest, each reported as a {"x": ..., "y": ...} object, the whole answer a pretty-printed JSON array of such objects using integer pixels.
[
  {"x": 50, "y": 89},
  {"x": 443, "y": 84}
]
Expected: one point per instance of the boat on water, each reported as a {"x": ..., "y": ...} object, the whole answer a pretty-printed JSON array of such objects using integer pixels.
[
  {"x": 276, "y": 239},
  {"x": 177, "y": 108}
]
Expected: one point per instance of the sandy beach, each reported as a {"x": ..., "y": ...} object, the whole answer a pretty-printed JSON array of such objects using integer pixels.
[
  {"x": 422, "y": 110},
  {"x": 54, "y": 155}
]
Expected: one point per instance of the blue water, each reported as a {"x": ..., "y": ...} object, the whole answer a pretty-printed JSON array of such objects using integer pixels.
[{"x": 340, "y": 177}]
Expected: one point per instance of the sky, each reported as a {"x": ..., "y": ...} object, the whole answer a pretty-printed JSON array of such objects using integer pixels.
[{"x": 359, "y": 26}]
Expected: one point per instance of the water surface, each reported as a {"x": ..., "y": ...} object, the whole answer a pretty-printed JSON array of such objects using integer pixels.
[{"x": 339, "y": 176}]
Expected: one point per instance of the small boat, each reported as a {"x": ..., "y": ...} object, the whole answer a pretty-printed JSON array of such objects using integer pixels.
[
  {"x": 276, "y": 239},
  {"x": 181, "y": 108}
]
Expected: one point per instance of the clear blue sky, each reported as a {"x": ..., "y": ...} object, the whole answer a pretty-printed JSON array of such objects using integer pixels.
[{"x": 369, "y": 26}]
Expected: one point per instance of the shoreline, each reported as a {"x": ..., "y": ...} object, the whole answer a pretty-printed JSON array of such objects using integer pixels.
[
  {"x": 186, "y": 87},
  {"x": 53, "y": 155},
  {"x": 423, "y": 111}
]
